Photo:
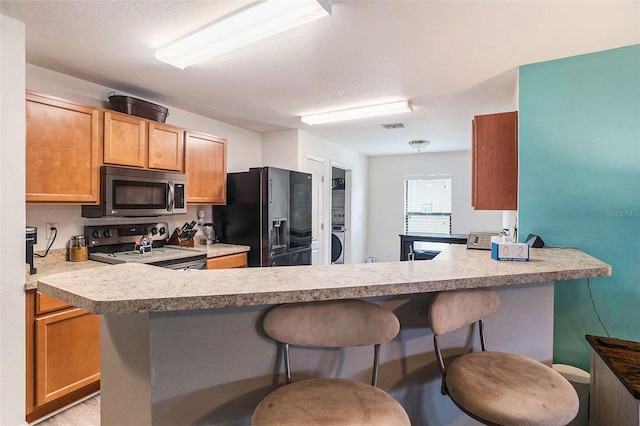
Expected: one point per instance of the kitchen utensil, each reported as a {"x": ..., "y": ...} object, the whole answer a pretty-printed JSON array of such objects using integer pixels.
[{"x": 209, "y": 232}]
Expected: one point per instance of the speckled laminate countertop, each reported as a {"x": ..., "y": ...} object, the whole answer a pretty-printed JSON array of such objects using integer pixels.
[
  {"x": 132, "y": 288},
  {"x": 56, "y": 261},
  {"x": 222, "y": 249}
]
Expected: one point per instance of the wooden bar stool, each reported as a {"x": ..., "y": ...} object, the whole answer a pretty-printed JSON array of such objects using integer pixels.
[
  {"x": 330, "y": 401},
  {"x": 496, "y": 387}
]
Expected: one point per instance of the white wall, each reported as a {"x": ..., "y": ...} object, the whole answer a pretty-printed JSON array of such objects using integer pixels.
[
  {"x": 280, "y": 149},
  {"x": 356, "y": 205},
  {"x": 12, "y": 250},
  {"x": 386, "y": 198},
  {"x": 244, "y": 150}
]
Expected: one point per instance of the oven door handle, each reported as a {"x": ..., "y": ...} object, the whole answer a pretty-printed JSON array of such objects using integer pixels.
[{"x": 186, "y": 265}]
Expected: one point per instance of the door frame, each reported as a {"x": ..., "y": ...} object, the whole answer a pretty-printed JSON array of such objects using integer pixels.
[
  {"x": 323, "y": 233},
  {"x": 346, "y": 248}
]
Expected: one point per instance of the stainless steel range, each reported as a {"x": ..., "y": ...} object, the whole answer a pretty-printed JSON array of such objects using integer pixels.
[{"x": 117, "y": 244}]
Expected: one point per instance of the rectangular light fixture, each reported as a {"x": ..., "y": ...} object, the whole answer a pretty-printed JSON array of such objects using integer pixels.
[
  {"x": 355, "y": 113},
  {"x": 253, "y": 23}
]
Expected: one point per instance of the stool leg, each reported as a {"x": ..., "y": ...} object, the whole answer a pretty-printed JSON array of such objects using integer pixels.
[
  {"x": 436, "y": 347},
  {"x": 287, "y": 365},
  {"x": 376, "y": 362},
  {"x": 481, "y": 331}
]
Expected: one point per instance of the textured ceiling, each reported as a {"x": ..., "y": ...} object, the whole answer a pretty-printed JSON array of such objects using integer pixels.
[{"x": 451, "y": 59}]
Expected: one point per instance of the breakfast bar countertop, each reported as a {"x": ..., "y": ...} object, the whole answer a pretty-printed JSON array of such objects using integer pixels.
[{"x": 129, "y": 288}]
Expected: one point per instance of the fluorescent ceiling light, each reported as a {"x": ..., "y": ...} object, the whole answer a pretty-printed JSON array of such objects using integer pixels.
[
  {"x": 258, "y": 21},
  {"x": 352, "y": 114}
]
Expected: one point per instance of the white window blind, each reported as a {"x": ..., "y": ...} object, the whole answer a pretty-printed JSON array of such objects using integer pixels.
[{"x": 427, "y": 206}]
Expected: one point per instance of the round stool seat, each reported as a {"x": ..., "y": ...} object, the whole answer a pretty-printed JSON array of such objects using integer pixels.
[
  {"x": 508, "y": 389},
  {"x": 329, "y": 402}
]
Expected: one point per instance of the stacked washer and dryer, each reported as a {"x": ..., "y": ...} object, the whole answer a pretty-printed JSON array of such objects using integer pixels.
[{"x": 337, "y": 235}]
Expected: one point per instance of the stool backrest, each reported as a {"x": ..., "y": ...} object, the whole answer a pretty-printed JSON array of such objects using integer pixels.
[
  {"x": 331, "y": 324},
  {"x": 336, "y": 323},
  {"x": 451, "y": 310}
]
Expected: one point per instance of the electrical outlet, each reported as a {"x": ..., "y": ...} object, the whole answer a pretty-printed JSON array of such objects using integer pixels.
[{"x": 48, "y": 230}]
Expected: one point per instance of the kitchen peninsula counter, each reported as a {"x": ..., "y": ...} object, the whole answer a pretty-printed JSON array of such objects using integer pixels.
[
  {"x": 130, "y": 288},
  {"x": 187, "y": 347}
]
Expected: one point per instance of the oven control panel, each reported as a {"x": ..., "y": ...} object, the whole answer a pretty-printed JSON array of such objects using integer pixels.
[{"x": 103, "y": 235}]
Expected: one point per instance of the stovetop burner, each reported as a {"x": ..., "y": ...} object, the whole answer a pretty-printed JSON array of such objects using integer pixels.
[
  {"x": 159, "y": 254},
  {"x": 114, "y": 244}
]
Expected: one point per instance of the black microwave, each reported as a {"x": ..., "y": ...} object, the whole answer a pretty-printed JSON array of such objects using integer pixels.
[{"x": 134, "y": 193}]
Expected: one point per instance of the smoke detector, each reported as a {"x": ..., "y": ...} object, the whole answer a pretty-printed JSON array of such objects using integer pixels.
[{"x": 419, "y": 144}]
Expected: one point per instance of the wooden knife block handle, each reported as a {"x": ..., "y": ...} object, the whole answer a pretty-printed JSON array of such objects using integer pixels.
[{"x": 175, "y": 239}]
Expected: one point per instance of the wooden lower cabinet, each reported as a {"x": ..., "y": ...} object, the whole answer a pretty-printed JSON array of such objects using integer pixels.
[
  {"x": 63, "y": 354},
  {"x": 238, "y": 260}
]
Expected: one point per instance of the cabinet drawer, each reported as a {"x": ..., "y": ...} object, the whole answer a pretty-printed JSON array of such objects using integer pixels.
[
  {"x": 46, "y": 304},
  {"x": 238, "y": 260}
]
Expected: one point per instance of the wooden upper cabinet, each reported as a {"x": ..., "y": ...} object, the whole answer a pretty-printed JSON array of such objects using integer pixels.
[
  {"x": 135, "y": 142},
  {"x": 125, "y": 140},
  {"x": 495, "y": 161},
  {"x": 166, "y": 147},
  {"x": 62, "y": 151},
  {"x": 205, "y": 163}
]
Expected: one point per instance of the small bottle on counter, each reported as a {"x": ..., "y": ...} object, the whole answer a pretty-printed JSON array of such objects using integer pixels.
[{"x": 78, "y": 250}]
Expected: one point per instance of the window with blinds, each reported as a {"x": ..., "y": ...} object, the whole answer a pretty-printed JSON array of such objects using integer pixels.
[{"x": 427, "y": 204}]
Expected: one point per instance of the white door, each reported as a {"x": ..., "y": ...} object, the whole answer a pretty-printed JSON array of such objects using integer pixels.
[{"x": 315, "y": 166}]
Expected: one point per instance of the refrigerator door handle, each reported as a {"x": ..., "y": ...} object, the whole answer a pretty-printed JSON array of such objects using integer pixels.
[{"x": 270, "y": 191}]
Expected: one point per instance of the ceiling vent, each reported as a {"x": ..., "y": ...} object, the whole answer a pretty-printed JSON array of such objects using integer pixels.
[{"x": 390, "y": 126}]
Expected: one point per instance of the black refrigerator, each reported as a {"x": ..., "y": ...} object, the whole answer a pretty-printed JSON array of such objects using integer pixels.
[{"x": 268, "y": 209}]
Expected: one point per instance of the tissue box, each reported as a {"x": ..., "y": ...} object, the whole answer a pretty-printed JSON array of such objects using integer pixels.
[{"x": 503, "y": 248}]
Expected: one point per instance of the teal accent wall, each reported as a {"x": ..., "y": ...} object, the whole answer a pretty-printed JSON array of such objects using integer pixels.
[{"x": 579, "y": 124}]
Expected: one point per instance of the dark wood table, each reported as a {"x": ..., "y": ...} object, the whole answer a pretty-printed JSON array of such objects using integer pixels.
[
  {"x": 615, "y": 381},
  {"x": 407, "y": 240}
]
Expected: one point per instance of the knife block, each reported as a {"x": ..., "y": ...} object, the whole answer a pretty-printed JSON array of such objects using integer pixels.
[{"x": 175, "y": 239}]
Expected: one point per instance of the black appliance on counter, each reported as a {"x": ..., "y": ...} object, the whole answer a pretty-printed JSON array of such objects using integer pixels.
[
  {"x": 268, "y": 209},
  {"x": 31, "y": 239}
]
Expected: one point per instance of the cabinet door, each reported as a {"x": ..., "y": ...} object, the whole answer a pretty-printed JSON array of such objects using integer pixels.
[
  {"x": 67, "y": 353},
  {"x": 62, "y": 151},
  {"x": 166, "y": 147},
  {"x": 125, "y": 140},
  {"x": 205, "y": 164},
  {"x": 495, "y": 162}
]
